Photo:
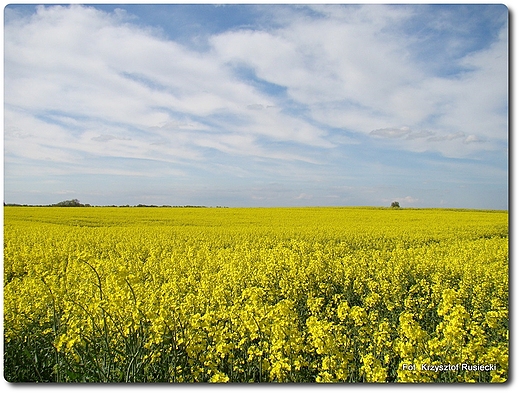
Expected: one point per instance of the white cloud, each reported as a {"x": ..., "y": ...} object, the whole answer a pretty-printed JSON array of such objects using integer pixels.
[
  {"x": 361, "y": 76},
  {"x": 391, "y": 132},
  {"x": 409, "y": 200},
  {"x": 303, "y": 196},
  {"x": 83, "y": 86},
  {"x": 85, "y": 62},
  {"x": 88, "y": 64}
]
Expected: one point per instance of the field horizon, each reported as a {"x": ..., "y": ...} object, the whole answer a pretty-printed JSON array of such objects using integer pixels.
[{"x": 258, "y": 207}]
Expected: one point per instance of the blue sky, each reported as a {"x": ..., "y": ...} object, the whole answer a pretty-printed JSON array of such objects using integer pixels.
[{"x": 257, "y": 105}]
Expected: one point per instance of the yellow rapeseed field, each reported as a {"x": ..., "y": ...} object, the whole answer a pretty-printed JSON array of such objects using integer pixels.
[{"x": 255, "y": 295}]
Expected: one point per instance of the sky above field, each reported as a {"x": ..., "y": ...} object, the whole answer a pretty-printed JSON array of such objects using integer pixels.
[{"x": 257, "y": 105}]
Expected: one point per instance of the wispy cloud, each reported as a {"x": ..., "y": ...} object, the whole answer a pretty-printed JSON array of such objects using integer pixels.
[
  {"x": 291, "y": 90},
  {"x": 392, "y": 132}
]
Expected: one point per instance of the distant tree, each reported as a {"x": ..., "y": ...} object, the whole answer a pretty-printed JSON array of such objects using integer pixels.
[
  {"x": 395, "y": 204},
  {"x": 69, "y": 203}
]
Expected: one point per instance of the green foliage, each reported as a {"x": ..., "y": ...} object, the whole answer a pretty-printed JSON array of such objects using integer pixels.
[{"x": 70, "y": 203}]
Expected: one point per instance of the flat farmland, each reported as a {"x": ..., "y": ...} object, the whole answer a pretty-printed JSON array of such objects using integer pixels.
[{"x": 98, "y": 294}]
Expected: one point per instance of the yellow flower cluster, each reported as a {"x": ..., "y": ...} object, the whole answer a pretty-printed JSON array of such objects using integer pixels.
[{"x": 255, "y": 295}]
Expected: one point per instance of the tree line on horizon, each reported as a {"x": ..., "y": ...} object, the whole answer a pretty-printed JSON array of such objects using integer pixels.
[{"x": 76, "y": 203}]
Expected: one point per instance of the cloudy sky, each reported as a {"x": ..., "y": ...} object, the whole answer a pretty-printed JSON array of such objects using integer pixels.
[{"x": 257, "y": 105}]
